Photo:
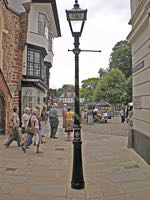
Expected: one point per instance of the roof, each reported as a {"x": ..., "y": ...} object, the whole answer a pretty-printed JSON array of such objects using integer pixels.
[{"x": 16, "y": 5}]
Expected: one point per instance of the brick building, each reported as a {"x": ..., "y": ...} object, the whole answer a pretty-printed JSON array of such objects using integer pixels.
[
  {"x": 27, "y": 29},
  {"x": 12, "y": 40}
]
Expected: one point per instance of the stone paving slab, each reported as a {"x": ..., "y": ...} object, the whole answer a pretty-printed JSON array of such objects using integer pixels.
[{"x": 111, "y": 170}]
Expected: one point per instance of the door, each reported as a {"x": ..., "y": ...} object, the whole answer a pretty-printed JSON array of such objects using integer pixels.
[{"x": 2, "y": 114}]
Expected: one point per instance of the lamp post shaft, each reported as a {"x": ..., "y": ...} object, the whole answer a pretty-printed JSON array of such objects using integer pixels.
[
  {"x": 77, "y": 101},
  {"x": 77, "y": 174}
]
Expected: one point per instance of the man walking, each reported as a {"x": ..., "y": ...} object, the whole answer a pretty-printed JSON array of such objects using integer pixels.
[
  {"x": 15, "y": 132},
  {"x": 53, "y": 119}
]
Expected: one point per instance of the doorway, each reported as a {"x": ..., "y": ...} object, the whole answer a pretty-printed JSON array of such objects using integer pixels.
[{"x": 2, "y": 114}]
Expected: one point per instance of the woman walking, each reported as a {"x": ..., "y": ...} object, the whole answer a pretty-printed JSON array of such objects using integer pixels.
[
  {"x": 43, "y": 120},
  {"x": 69, "y": 115},
  {"x": 25, "y": 120},
  {"x": 33, "y": 126}
]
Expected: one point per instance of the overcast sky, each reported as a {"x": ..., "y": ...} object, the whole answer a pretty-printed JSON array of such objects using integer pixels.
[{"x": 106, "y": 24}]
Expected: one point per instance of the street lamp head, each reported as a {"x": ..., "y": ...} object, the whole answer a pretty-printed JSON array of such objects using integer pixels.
[{"x": 76, "y": 18}]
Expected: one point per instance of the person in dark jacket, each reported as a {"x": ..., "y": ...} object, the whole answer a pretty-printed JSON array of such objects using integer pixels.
[{"x": 53, "y": 119}]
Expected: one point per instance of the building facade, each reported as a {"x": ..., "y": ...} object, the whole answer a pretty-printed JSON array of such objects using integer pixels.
[
  {"x": 139, "y": 38},
  {"x": 27, "y": 29},
  {"x": 43, "y": 27},
  {"x": 68, "y": 98}
]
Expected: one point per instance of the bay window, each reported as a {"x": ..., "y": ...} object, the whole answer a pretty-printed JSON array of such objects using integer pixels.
[
  {"x": 36, "y": 67},
  {"x": 34, "y": 58}
]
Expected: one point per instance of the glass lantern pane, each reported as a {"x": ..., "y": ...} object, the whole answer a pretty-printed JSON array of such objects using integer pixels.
[{"x": 76, "y": 26}]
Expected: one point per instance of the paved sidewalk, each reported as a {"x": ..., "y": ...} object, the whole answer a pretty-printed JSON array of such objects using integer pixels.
[{"x": 111, "y": 170}]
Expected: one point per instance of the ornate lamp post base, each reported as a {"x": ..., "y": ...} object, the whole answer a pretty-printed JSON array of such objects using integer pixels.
[{"x": 77, "y": 174}]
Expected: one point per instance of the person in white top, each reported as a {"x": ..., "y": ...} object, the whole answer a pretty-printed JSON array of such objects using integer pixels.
[
  {"x": 34, "y": 123},
  {"x": 25, "y": 120}
]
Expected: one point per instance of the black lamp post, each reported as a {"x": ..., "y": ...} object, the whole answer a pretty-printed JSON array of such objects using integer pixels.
[{"x": 76, "y": 18}]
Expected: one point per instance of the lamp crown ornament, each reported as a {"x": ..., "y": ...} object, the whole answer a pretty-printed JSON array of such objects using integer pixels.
[{"x": 76, "y": 5}]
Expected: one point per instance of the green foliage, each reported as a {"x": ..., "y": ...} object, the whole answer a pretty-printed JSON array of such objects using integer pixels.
[
  {"x": 121, "y": 58},
  {"x": 87, "y": 88},
  {"x": 111, "y": 87}
]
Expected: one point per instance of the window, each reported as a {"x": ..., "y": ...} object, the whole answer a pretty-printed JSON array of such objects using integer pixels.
[
  {"x": 38, "y": 97},
  {"x": 43, "y": 25},
  {"x": 34, "y": 58},
  {"x": 44, "y": 74},
  {"x": 50, "y": 42},
  {"x": 36, "y": 66}
]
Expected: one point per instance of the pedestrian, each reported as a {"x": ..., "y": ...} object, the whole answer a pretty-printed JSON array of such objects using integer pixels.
[
  {"x": 43, "y": 121},
  {"x": 64, "y": 110},
  {"x": 25, "y": 120},
  {"x": 122, "y": 115},
  {"x": 15, "y": 136},
  {"x": 38, "y": 117},
  {"x": 33, "y": 126},
  {"x": 53, "y": 119},
  {"x": 69, "y": 115}
]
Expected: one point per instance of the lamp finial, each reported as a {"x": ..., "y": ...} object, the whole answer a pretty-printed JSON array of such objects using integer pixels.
[{"x": 76, "y": 5}]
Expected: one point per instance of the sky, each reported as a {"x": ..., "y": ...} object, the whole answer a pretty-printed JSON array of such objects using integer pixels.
[{"x": 106, "y": 24}]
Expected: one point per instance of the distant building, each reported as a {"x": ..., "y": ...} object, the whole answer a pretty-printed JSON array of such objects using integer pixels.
[
  {"x": 139, "y": 38},
  {"x": 68, "y": 98}
]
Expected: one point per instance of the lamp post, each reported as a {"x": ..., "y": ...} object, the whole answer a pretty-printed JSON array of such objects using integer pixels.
[{"x": 76, "y": 18}]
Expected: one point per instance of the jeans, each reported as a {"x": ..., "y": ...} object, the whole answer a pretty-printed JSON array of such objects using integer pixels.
[
  {"x": 53, "y": 131},
  {"x": 28, "y": 140},
  {"x": 14, "y": 137}
]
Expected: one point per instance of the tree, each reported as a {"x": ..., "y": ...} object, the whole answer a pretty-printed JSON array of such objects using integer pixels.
[
  {"x": 87, "y": 88},
  {"x": 121, "y": 58},
  {"x": 111, "y": 88}
]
